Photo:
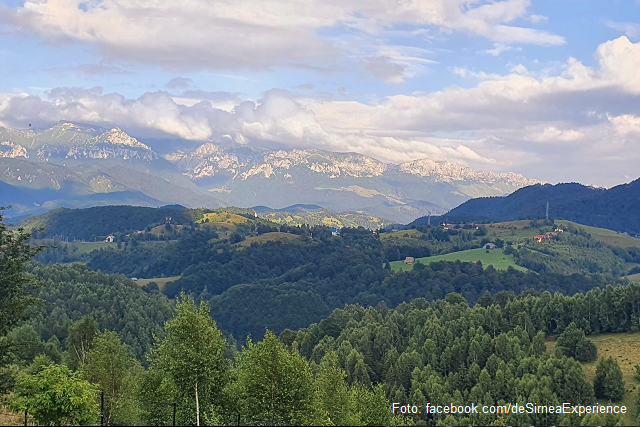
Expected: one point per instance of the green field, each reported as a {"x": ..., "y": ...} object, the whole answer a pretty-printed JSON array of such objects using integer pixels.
[
  {"x": 495, "y": 257},
  {"x": 609, "y": 237},
  {"x": 625, "y": 349},
  {"x": 161, "y": 281},
  {"x": 512, "y": 231}
]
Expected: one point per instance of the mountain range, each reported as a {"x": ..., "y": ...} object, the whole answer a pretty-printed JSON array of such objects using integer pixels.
[
  {"x": 71, "y": 165},
  {"x": 615, "y": 208}
]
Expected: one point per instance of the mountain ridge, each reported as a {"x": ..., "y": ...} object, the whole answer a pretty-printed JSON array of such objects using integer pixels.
[
  {"x": 615, "y": 208},
  {"x": 213, "y": 174}
]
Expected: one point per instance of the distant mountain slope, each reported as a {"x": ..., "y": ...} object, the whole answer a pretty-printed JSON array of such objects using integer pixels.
[
  {"x": 103, "y": 220},
  {"x": 316, "y": 215},
  {"x": 617, "y": 208},
  {"x": 78, "y": 161},
  {"x": 79, "y": 166},
  {"x": 245, "y": 176}
]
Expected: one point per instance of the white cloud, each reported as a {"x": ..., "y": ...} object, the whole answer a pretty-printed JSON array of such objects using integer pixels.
[
  {"x": 626, "y": 124},
  {"x": 254, "y": 34},
  {"x": 562, "y": 125},
  {"x": 536, "y": 19},
  {"x": 629, "y": 29},
  {"x": 498, "y": 48}
]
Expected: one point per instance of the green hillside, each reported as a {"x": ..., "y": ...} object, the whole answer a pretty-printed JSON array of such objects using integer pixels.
[
  {"x": 615, "y": 208},
  {"x": 495, "y": 257},
  {"x": 608, "y": 237},
  {"x": 625, "y": 349}
]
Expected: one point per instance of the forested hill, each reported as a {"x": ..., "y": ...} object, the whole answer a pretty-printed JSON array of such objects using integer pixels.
[
  {"x": 101, "y": 221},
  {"x": 616, "y": 208}
]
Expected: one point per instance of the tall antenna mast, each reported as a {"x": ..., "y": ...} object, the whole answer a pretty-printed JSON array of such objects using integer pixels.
[
  {"x": 547, "y": 211},
  {"x": 429, "y": 219}
]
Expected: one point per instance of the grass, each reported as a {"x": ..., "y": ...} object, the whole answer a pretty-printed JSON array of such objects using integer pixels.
[
  {"x": 608, "y": 237},
  {"x": 634, "y": 277},
  {"x": 161, "y": 281},
  {"x": 223, "y": 217},
  {"x": 512, "y": 231},
  {"x": 495, "y": 257},
  {"x": 220, "y": 225},
  {"x": 8, "y": 418},
  {"x": 625, "y": 349}
]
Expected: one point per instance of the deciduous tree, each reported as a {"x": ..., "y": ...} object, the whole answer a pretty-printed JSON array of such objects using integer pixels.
[
  {"x": 55, "y": 395},
  {"x": 192, "y": 354}
]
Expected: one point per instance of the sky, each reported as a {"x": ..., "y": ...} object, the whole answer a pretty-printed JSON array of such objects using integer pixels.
[{"x": 546, "y": 88}]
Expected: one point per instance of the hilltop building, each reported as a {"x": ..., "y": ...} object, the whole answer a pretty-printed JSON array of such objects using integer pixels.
[{"x": 409, "y": 260}]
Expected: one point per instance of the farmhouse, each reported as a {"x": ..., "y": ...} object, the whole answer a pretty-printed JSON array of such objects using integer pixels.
[
  {"x": 409, "y": 260},
  {"x": 109, "y": 238},
  {"x": 489, "y": 246},
  {"x": 549, "y": 234}
]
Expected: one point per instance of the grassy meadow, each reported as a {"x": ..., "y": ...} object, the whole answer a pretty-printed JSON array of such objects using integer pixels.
[
  {"x": 495, "y": 257},
  {"x": 608, "y": 237},
  {"x": 625, "y": 349},
  {"x": 269, "y": 237},
  {"x": 161, "y": 281}
]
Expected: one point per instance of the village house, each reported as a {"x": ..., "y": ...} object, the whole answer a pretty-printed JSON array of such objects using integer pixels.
[
  {"x": 109, "y": 238},
  {"x": 489, "y": 246},
  {"x": 335, "y": 231},
  {"x": 549, "y": 234},
  {"x": 409, "y": 260}
]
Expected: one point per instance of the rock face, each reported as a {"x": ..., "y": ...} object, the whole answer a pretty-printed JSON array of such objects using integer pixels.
[
  {"x": 100, "y": 161},
  {"x": 244, "y": 176}
]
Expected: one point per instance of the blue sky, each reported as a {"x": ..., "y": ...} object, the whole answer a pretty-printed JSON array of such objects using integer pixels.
[{"x": 549, "y": 89}]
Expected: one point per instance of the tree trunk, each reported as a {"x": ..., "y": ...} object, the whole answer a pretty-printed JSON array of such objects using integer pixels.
[{"x": 197, "y": 407}]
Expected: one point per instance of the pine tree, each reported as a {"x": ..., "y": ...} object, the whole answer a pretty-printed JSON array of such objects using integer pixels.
[{"x": 15, "y": 283}]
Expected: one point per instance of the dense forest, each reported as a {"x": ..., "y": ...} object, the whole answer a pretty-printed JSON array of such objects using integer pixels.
[
  {"x": 347, "y": 369},
  {"x": 257, "y": 274},
  {"x": 442, "y": 332}
]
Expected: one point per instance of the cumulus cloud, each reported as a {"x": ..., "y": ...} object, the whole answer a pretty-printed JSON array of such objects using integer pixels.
[
  {"x": 561, "y": 125},
  {"x": 255, "y": 34}
]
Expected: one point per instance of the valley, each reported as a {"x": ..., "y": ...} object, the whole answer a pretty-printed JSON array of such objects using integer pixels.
[
  {"x": 319, "y": 213},
  {"x": 319, "y": 289}
]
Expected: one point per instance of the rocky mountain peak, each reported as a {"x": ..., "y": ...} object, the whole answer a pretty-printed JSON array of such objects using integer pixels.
[
  {"x": 11, "y": 150},
  {"x": 118, "y": 137}
]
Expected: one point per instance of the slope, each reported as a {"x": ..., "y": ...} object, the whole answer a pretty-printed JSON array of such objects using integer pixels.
[{"x": 616, "y": 208}]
